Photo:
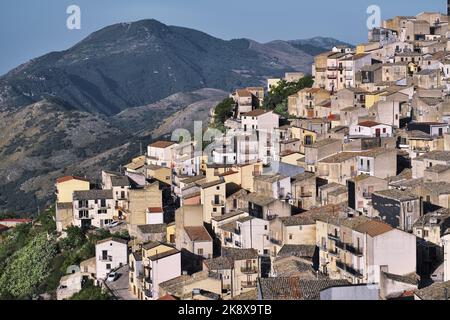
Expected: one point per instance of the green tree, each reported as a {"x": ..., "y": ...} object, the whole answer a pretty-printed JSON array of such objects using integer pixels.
[
  {"x": 27, "y": 268},
  {"x": 91, "y": 292},
  {"x": 223, "y": 111},
  {"x": 277, "y": 98}
]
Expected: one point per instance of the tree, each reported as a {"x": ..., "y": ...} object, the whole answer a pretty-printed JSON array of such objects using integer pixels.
[
  {"x": 223, "y": 111},
  {"x": 91, "y": 292},
  {"x": 278, "y": 97},
  {"x": 27, "y": 268}
]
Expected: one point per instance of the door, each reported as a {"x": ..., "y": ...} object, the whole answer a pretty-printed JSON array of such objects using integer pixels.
[{"x": 377, "y": 133}]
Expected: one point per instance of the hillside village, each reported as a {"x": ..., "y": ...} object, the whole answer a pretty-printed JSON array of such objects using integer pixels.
[{"x": 343, "y": 195}]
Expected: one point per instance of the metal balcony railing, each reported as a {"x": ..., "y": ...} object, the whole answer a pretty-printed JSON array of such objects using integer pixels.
[{"x": 249, "y": 270}]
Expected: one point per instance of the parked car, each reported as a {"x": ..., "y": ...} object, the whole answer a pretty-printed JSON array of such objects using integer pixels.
[
  {"x": 114, "y": 224},
  {"x": 111, "y": 277}
]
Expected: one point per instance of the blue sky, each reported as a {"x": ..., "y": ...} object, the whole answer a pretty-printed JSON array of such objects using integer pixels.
[{"x": 30, "y": 28}]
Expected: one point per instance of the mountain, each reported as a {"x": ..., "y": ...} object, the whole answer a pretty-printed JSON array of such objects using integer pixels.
[
  {"x": 317, "y": 45},
  {"x": 89, "y": 107}
]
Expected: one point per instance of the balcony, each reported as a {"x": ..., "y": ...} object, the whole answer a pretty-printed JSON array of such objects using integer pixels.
[
  {"x": 249, "y": 270},
  {"x": 333, "y": 237},
  {"x": 306, "y": 194},
  {"x": 219, "y": 203},
  {"x": 228, "y": 240},
  {"x": 105, "y": 258},
  {"x": 332, "y": 76},
  {"x": 276, "y": 241},
  {"x": 333, "y": 68},
  {"x": 349, "y": 248},
  {"x": 348, "y": 269},
  {"x": 248, "y": 284},
  {"x": 334, "y": 252}
]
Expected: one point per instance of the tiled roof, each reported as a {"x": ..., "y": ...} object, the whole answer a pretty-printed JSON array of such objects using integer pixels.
[
  {"x": 153, "y": 228},
  {"x": 409, "y": 278},
  {"x": 123, "y": 241},
  {"x": 369, "y": 124},
  {"x": 396, "y": 194},
  {"x": 436, "y": 291},
  {"x": 297, "y": 250},
  {"x": 93, "y": 195},
  {"x": 239, "y": 254},
  {"x": 256, "y": 113},
  {"x": 197, "y": 233},
  {"x": 68, "y": 178},
  {"x": 258, "y": 199},
  {"x": 270, "y": 178},
  {"x": 122, "y": 181},
  {"x": 373, "y": 228},
  {"x": 219, "y": 263},
  {"x": 162, "y": 144},
  {"x": 292, "y": 288}
]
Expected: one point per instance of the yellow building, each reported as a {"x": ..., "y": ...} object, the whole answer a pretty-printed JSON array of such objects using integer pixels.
[
  {"x": 65, "y": 187},
  {"x": 159, "y": 173},
  {"x": 171, "y": 231},
  {"x": 372, "y": 98},
  {"x": 213, "y": 198}
]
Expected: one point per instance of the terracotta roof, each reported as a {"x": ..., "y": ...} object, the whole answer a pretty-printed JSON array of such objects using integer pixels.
[
  {"x": 256, "y": 113},
  {"x": 68, "y": 178},
  {"x": 243, "y": 93},
  {"x": 155, "y": 210},
  {"x": 369, "y": 124},
  {"x": 198, "y": 233},
  {"x": 162, "y": 144},
  {"x": 373, "y": 228},
  {"x": 3, "y": 228}
]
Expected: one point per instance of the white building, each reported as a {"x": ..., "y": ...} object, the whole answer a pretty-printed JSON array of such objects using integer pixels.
[
  {"x": 93, "y": 208},
  {"x": 446, "y": 243},
  {"x": 154, "y": 216},
  {"x": 110, "y": 254},
  {"x": 160, "y": 263},
  {"x": 370, "y": 129},
  {"x": 264, "y": 124},
  {"x": 246, "y": 233},
  {"x": 161, "y": 153}
]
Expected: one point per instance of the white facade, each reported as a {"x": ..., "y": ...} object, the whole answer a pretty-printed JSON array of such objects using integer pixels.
[
  {"x": 253, "y": 234},
  {"x": 95, "y": 212},
  {"x": 379, "y": 130},
  {"x": 446, "y": 244},
  {"x": 163, "y": 269},
  {"x": 110, "y": 254},
  {"x": 154, "y": 216},
  {"x": 395, "y": 250},
  {"x": 161, "y": 155}
]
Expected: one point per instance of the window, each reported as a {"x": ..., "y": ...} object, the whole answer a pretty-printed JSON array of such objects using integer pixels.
[
  {"x": 265, "y": 227},
  {"x": 108, "y": 266},
  {"x": 290, "y": 236},
  {"x": 200, "y": 252}
]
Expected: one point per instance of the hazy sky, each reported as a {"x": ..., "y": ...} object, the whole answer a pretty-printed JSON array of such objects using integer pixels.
[{"x": 30, "y": 28}]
